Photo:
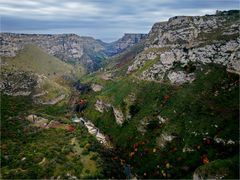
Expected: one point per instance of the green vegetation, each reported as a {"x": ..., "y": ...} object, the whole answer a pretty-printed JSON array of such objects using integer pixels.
[
  {"x": 119, "y": 63},
  {"x": 218, "y": 33},
  {"x": 51, "y": 72},
  {"x": 157, "y": 50},
  {"x": 147, "y": 65},
  {"x": 221, "y": 168},
  {"x": 28, "y": 152},
  {"x": 195, "y": 114}
]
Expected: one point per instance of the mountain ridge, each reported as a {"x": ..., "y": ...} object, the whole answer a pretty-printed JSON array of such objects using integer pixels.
[{"x": 85, "y": 50}]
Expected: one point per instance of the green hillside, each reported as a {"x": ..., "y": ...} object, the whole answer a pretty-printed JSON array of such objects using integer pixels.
[
  {"x": 195, "y": 115},
  {"x": 29, "y": 152},
  {"x": 34, "y": 59}
]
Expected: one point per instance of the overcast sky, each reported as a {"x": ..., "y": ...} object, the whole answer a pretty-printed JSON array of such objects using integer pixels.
[{"x": 107, "y": 20}]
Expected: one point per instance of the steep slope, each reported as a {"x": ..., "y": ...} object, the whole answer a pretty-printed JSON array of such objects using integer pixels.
[
  {"x": 163, "y": 130},
  {"x": 35, "y": 72},
  {"x": 171, "y": 110},
  {"x": 33, "y": 58},
  {"x": 184, "y": 42}
]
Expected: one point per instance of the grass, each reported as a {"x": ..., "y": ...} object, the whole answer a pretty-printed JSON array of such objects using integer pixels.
[
  {"x": 157, "y": 50},
  {"x": 217, "y": 34},
  {"x": 52, "y": 88},
  {"x": 148, "y": 64},
  {"x": 89, "y": 165},
  {"x": 221, "y": 168}
]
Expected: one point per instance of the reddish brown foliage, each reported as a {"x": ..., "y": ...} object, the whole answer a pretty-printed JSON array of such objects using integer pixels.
[
  {"x": 204, "y": 159},
  {"x": 70, "y": 128},
  {"x": 166, "y": 98}
]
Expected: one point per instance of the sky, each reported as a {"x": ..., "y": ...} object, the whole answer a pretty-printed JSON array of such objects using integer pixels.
[{"x": 107, "y": 20}]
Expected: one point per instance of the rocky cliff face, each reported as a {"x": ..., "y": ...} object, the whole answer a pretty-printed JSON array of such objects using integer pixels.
[
  {"x": 128, "y": 40},
  {"x": 118, "y": 114},
  {"x": 67, "y": 47},
  {"x": 177, "y": 47},
  {"x": 41, "y": 89},
  {"x": 18, "y": 83}
]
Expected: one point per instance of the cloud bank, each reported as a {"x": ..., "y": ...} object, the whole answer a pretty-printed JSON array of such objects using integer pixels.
[{"x": 107, "y": 20}]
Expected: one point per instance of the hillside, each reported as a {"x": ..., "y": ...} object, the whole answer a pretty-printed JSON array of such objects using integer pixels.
[
  {"x": 33, "y": 58},
  {"x": 35, "y": 72},
  {"x": 167, "y": 124}
]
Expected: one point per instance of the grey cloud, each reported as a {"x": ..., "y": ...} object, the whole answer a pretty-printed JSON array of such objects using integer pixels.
[{"x": 104, "y": 19}]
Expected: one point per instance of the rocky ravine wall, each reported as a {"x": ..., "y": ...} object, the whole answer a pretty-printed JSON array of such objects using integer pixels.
[
  {"x": 187, "y": 40},
  {"x": 128, "y": 40},
  {"x": 29, "y": 84}
]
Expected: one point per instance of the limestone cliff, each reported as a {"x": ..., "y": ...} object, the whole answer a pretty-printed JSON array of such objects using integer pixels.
[
  {"x": 128, "y": 40},
  {"x": 182, "y": 44}
]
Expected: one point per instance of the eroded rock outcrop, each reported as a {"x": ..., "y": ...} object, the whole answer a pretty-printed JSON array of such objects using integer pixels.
[
  {"x": 31, "y": 84},
  {"x": 218, "y": 169},
  {"x": 180, "y": 77},
  {"x": 96, "y": 87},
  {"x": 95, "y": 131},
  {"x": 118, "y": 115},
  {"x": 54, "y": 100},
  {"x": 107, "y": 76},
  {"x": 102, "y": 107},
  {"x": 17, "y": 83},
  {"x": 42, "y": 122},
  {"x": 128, "y": 40},
  {"x": 163, "y": 139}
]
